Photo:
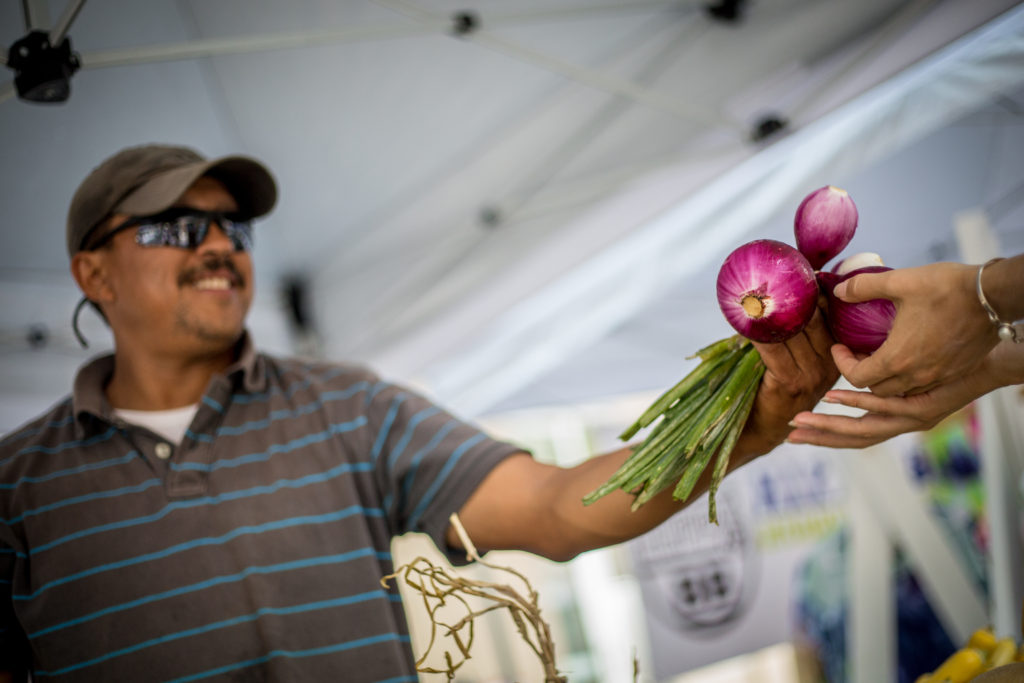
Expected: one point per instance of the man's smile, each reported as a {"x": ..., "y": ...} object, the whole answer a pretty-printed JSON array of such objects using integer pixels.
[{"x": 214, "y": 283}]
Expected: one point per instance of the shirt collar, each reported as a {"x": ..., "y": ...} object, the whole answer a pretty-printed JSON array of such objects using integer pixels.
[
  {"x": 250, "y": 370},
  {"x": 88, "y": 396},
  {"x": 248, "y": 373}
]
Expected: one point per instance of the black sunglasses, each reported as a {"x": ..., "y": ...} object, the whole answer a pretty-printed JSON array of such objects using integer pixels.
[{"x": 183, "y": 228}]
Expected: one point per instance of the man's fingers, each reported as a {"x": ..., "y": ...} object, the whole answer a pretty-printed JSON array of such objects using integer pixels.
[
  {"x": 778, "y": 359},
  {"x": 863, "y": 287},
  {"x": 818, "y": 336},
  {"x": 801, "y": 352}
]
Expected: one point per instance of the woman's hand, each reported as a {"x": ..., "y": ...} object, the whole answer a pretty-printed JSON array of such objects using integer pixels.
[
  {"x": 940, "y": 332},
  {"x": 887, "y": 417}
]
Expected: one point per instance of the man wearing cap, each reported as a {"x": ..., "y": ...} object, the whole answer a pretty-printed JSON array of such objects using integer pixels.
[{"x": 197, "y": 510}]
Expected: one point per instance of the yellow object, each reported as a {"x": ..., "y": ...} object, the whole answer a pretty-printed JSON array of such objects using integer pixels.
[
  {"x": 1020, "y": 653},
  {"x": 923, "y": 678},
  {"x": 1002, "y": 653},
  {"x": 983, "y": 639},
  {"x": 961, "y": 666}
]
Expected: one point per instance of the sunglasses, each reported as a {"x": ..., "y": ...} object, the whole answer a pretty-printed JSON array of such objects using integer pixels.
[{"x": 182, "y": 228}]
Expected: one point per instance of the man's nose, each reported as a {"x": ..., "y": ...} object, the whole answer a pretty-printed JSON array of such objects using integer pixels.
[{"x": 216, "y": 239}]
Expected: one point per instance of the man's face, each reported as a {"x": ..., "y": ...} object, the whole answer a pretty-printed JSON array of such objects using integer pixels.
[{"x": 176, "y": 300}]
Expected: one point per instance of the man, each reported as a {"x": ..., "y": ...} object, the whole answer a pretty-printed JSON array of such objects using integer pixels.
[{"x": 199, "y": 511}]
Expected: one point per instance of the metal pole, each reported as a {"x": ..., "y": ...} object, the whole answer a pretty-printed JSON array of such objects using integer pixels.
[
  {"x": 6, "y": 91},
  {"x": 596, "y": 79},
  {"x": 880, "y": 41},
  {"x": 64, "y": 23},
  {"x": 439, "y": 24},
  {"x": 871, "y": 625},
  {"x": 37, "y": 16}
]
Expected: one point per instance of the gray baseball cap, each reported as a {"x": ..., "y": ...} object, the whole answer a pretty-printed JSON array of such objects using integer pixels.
[{"x": 144, "y": 180}]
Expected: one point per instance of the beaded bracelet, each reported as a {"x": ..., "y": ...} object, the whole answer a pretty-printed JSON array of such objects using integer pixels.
[{"x": 1007, "y": 332}]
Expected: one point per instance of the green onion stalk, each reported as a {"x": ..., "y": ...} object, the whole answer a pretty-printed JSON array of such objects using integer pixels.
[{"x": 701, "y": 418}]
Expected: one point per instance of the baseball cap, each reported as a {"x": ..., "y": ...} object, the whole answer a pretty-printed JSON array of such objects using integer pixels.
[{"x": 144, "y": 180}]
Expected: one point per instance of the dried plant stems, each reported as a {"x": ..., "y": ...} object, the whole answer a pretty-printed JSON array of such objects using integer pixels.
[{"x": 439, "y": 588}]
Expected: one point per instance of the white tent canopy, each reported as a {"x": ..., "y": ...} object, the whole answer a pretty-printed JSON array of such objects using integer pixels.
[{"x": 527, "y": 211}]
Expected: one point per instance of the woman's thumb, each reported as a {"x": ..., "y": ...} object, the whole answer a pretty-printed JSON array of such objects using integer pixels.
[{"x": 862, "y": 287}]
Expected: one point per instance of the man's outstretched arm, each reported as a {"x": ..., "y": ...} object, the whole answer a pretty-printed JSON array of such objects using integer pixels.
[{"x": 531, "y": 506}]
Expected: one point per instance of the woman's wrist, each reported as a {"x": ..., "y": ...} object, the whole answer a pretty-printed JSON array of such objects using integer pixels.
[
  {"x": 1001, "y": 283},
  {"x": 1003, "y": 366}
]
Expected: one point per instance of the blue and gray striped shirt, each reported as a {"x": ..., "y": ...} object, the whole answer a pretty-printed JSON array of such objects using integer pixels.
[{"x": 253, "y": 552}]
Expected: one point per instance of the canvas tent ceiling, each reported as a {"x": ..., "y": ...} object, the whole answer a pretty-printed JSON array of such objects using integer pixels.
[{"x": 472, "y": 212}]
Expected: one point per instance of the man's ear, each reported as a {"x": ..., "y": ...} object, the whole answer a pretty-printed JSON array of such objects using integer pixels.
[{"x": 89, "y": 269}]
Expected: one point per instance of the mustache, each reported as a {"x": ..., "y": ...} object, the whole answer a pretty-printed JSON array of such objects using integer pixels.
[{"x": 212, "y": 264}]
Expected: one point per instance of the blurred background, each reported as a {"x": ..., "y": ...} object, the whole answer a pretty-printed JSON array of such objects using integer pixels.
[{"x": 519, "y": 208}]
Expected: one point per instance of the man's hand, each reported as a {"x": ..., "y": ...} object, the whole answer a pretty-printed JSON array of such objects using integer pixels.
[{"x": 799, "y": 372}]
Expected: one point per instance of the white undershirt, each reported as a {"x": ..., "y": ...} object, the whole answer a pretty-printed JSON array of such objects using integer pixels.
[{"x": 170, "y": 424}]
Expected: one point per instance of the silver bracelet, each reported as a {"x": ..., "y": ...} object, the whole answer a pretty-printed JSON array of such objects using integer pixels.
[{"x": 1007, "y": 332}]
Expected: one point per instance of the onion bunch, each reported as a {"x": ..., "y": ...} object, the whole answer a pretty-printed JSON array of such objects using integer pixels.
[{"x": 768, "y": 291}]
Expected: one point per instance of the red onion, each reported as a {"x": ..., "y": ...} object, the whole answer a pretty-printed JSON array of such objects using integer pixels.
[
  {"x": 825, "y": 222},
  {"x": 861, "y": 326},
  {"x": 767, "y": 290},
  {"x": 864, "y": 259}
]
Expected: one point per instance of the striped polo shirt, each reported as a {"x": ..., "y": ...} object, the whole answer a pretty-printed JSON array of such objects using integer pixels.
[{"x": 252, "y": 551}]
